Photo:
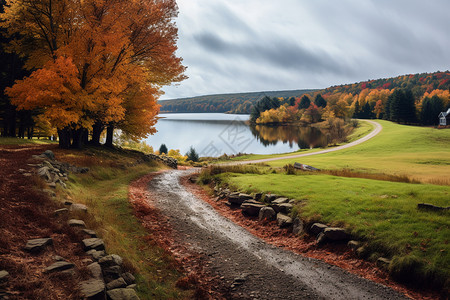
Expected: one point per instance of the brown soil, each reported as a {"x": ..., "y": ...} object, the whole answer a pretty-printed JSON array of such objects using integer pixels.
[
  {"x": 338, "y": 254},
  {"x": 27, "y": 213}
]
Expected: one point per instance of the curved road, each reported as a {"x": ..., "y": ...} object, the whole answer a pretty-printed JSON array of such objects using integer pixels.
[
  {"x": 249, "y": 267},
  {"x": 373, "y": 133}
]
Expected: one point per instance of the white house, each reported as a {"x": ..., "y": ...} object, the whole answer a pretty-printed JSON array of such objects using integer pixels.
[{"x": 444, "y": 118}]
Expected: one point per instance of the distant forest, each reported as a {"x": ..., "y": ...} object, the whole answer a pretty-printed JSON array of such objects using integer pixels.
[
  {"x": 239, "y": 103},
  {"x": 422, "y": 86}
]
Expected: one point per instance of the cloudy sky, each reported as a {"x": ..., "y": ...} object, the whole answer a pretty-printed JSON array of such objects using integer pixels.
[{"x": 263, "y": 45}]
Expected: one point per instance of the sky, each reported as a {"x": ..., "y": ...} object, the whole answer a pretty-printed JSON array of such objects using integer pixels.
[{"x": 232, "y": 46}]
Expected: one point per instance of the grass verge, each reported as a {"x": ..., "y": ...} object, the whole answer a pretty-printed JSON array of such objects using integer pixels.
[
  {"x": 104, "y": 189},
  {"x": 18, "y": 141},
  {"x": 383, "y": 213}
]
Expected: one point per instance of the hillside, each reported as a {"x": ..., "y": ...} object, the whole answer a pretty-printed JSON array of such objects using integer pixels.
[
  {"x": 233, "y": 103},
  {"x": 420, "y": 84}
]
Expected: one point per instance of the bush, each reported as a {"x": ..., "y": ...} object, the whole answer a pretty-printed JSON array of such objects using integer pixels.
[
  {"x": 192, "y": 155},
  {"x": 163, "y": 149}
]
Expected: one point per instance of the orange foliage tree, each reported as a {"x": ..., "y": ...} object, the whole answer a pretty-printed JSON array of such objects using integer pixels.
[{"x": 100, "y": 63}]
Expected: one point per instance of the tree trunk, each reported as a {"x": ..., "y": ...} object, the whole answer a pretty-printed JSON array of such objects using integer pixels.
[
  {"x": 77, "y": 138},
  {"x": 85, "y": 137},
  {"x": 97, "y": 130},
  {"x": 64, "y": 138},
  {"x": 109, "y": 136},
  {"x": 10, "y": 121}
]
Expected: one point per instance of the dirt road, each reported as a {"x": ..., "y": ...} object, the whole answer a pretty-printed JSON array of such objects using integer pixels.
[
  {"x": 251, "y": 268},
  {"x": 373, "y": 133}
]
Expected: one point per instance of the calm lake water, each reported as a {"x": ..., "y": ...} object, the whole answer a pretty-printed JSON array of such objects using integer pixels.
[{"x": 213, "y": 134}]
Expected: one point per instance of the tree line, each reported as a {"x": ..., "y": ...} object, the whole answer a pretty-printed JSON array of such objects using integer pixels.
[{"x": 78, "y": 68}]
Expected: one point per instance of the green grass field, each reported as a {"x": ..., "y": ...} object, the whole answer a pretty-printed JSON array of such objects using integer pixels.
[
  {"x": 18, "y": 141},
  {"x": 384, "y": 213},
  {"x": 421, "y": 153}
]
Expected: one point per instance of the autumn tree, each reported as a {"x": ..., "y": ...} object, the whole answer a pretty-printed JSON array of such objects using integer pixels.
[{"x": 101, "y": 63}]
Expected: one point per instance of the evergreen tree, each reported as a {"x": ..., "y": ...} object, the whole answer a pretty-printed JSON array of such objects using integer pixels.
[
  {"x": 192, "y": 155},
  {"x": 319, "y": 101},
  {"x": 431, "y": 108},
  {"x": 163, "y": 149},
  {"x": 304, "y": 102},
  {"x": 401, "y": 106}
]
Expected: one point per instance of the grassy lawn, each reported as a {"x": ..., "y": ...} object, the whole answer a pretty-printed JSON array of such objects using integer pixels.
[
  {"x": 104, "y": 189},
  {"x": 382, "y": 212},
  {"x": 422, "y": 153},
  {"x": 18, "y": 141}
]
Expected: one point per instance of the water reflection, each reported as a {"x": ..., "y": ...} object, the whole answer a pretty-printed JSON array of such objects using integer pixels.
[
  {"x": 216, "y": 134},
  {"x": 303, "y": 137}
]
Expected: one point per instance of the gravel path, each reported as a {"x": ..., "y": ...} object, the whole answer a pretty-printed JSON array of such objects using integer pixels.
[
  {"x": 373, "y": 133},
  {"x": 251, "y": 268}
]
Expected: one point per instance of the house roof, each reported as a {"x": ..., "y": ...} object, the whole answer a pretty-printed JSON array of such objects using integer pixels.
[{"x": 445, "y": 113}]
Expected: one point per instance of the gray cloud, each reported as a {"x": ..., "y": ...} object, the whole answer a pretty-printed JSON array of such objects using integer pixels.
[{"x": 254, "y": 45}]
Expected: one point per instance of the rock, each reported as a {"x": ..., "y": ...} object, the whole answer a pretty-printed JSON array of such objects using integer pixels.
[
  {"x": 284, "y": 220},
  {"x": 285, "y": 208},
  {"x": 96, "y": 255},
  {"x": 293, "y": 201},
  {"x": 317, "y": 228},
  {"x": 92, "y": 288},
  {"x": 129, "y": 278},
  {"x": 132, "y": 286},
  {"x": 238, "y": 198},
  {"x": 304, "y": 167},
  {"x": 58, "y": 267},
  {"x": 111, "y": 260},
  {"x": 252, "y": 208},
  {"x": 76, "y": 223},
  {"x": 116, "y": 284},
  {"x": 383, "y": 263},
  {"x": 49, "y": 154},
  {"x": 426, "y": 206},
  {"x": 90, "y": 232},
  {"x": 270, "y": 197},
  {"x": 122, "y": 294},
  {"x": 336, "y": 234},
  {"x": 60, "y": 211},
  {"x": 267, "y": 213},
  {"x": 44, "y": 173},
  {"x": 68, "y": 202},
  {"x": 111, "y": 273},
  {"x": 50, "y": 193},
  {"x": 58, "y": 258},
  {"x": 353, "y": 245},
  {"x": 93, "y": 243},
  {"x": 321, "y": 239},
  {"x": 37, "y": 245},
  {"x": 280, "y": 200},
  {"x": 52, "y": 185},
  {"x": 297, "y": 226},
  {"x": 96, "y": 270},
  {"x": 77, "y": 207},
  {"x": 361, "y": 252},
  {"x": 258, "y": 196},
  {"x": 3, "y": 275}
]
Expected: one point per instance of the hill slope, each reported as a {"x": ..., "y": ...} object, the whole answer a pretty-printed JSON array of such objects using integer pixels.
[{"x": 235, "y": 103}]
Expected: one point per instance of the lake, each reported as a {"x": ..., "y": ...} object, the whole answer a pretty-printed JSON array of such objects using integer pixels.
[{"x": 213, "y": 134}]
